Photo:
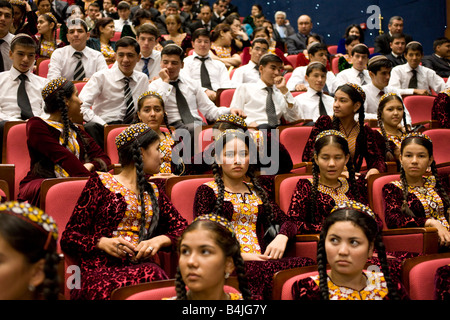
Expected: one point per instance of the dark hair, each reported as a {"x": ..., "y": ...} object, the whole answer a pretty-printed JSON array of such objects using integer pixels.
[
  {"x": 123, "y": 5},
  {"x": 258, "y": 6},
  {"x": 439, "y": 42},
  {"x": 439, "y": 186},
  {"x": 161, "y": 101},
  {"x": 350, "y": 39},
  {"x": 147, "y": 28},
  {"x": 55, "y": 26},
  {"x": 128, "y": 42},
  {"x": 361, "y": 49},
  {"x": 102, "y": 22},
  {"x": 230, "y": 19},
  {"x": 413, "y": 46},
  {"x": 318, "y": 145},
  {"x": 371, "y": 229},
  {"x": 377, "y": 65},
  {"x": 389, "y": 155},
  {"x": 30, "y": 241},
  {"x": 173, "y": 50},
  {"x": 130, "y": 154},
  {"x": 350, "y": 27},
  {"x": 230, "y": 247},
  {"x": 140, "y": 14},
  {"x": 200, "y": 32},
  {"x": 396, "y": 36},
  {"x": 269, "y": 57},
  {"x": 261, "y": 41},
  {"x": 361, "y": 140},
  {"x": 24, "y": 40},
  {"x": 313, "y": 49},
  {"x": 314, "y": 36},
  {"x": 6, "y": 4},
  {"x": 94, "y": 4},
  {"x": 224, "y": 27},
  {"x": 316, "y": 66},
  {"x": 258, "y": 29}
]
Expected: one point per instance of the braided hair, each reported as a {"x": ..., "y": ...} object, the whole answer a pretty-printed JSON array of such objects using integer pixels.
[
  {"x": 49, "y": 18},
  {"x": 318, "y": 145},
  {"x": 251, "y": 173},
  {"x": 361, "y": 141},
  {"x": 227, "y": 241},
  {"x": 405, "y": 209},
  {"x": 383, "y": 101},
  {"x": 370, "y": 228},
  {"x": 131, "y": 155}
]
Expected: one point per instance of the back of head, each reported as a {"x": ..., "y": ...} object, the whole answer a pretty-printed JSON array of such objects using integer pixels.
[
  {"x": 125, "y": 42},
  {"x": 268, "y": 58}
]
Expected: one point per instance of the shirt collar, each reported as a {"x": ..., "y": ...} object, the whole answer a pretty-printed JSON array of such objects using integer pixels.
[
  {"x": 194, "y": 54},
  {"x": 311, "y": 92},
  {"x": 118, "y": 75},
  {"x": 261, "y": 84},
  {"x": 15, "y": 73}
]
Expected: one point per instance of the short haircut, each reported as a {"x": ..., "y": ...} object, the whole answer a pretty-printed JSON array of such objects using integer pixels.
[
  {"x": 396, "y": 36},
  {"x": 258, "y": 29},
  {"x": 439, "y": 42},
  {"x": 361, "y": 49},
  {"x": 23, "y": 40},
  {"x": 173, "y": 50},
  {"x": 173, "y": 5},
  {"x": 147, "y": 28},
  {"x": 94, "y": 4},
  {"x": 259, "y": 16},
  {"x": 414, "y": 46},
  {"x": 350, "y": 39},
  {"x": 316, "y": 47},
  {"x": 316, "y": 66},
  {"x": 123, "y": 5},
  {"x": 379, "y": 63},
  {"x": 280, "y": 13},
  {"x": 6, "y": 4},
  {"x": 391, "y": 20},
  {"x": 269, "y": 57},
  {"x": 128, "y": 42},
  {"x": 260, "y": 40},
  {"x": 200, "y": 32},
  {"x": 76, "y": 21}
]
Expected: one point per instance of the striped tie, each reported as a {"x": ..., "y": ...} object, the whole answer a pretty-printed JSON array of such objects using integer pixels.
[
  {"x": 129, "y": 115},
  {"x": 270, "y": 108},
  {"x": 79, "y": 74}
]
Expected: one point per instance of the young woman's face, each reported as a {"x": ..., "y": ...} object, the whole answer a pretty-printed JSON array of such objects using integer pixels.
[
  {"x": 235, "y": 159},
  {"x": 172, "y": 25},
  {"x": 415, "y": 160},
  {"x": 44, "y": 7},
  {"x": 344, "y": 106},
  {"x": 347, "y": 249},
  {"x": 354, "y": 32},
  {"x": 392, "y": 114},
  {"x": 151, "y": 158},
  {"x": 331, "y": 161},
  {"x": 43, "y": 25},
  {"x": 152, "y": 113},
  {"x": 202, "y": 262},
  {"x": 108, "y": 30},
  {"x": 74, "y": 108},
  {"x": 16, "y": 273}
]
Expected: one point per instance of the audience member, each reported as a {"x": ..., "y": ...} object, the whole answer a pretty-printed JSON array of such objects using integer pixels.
[
  {"x": 282, "y": 26},
  {"x": 219, "y": 10},
  {"x": 124, "y": 12},
  {"x": 297, "y": 42},
  {"x": 47, "y": 41},
  {"x": 109, "y": 9},
  {"x": 24, "y": 19},
  {"x": 358, "y": 72},
  {"x": 93, "y": 14},
  {"x": 221, "y": 47},
  {"x": 240, "y": 36},
  {"x": 345, "y": 60},
  {"x": 6, "y": 14},
  {"x": 100, "y": 39},
  {"x": 204, "y": 20},
  {"x": 150, "y": 62},
  {"x": 351, "y": 30},
  {"x": 397, "y": 45},
  {"x": 249, "y": 73},
  {"x": 174, "y": 34},
  {"x": 439, "y": 61},
  {"x": 395, "y": 25}
]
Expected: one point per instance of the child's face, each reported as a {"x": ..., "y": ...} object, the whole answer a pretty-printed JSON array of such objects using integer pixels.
[{"x": 414, "y": 57}]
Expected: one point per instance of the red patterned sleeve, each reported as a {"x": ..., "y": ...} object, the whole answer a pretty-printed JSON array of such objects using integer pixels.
[
  {"x": 305, "y": 289},
  {"x": 441, "y": 110},
  {"x": 204, "y": 201}
]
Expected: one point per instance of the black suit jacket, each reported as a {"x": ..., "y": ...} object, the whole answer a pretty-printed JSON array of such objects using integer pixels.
[
  {"x": 396, "y": 61},
  {"x": 382, "y": 41},
  {"x": 297, "y": 43},
  {"x": 59, "y": 8},
  {"x": 440, "y": 65},
  {"x": 199, "y": 24}
]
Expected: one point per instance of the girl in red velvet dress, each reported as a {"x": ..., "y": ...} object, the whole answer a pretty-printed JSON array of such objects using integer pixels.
[
  {"x": 348, "y": 238},
  {"x": 363, "y": 144},
  {"x": 441, "y": 109},
  {"x": 121, "y": 221},
  {"x": 263, "y": 230},
  {"x": 57, "y": 147},
  {"x": 314, "y": 198},
  {"x": 418, "y": 200}
]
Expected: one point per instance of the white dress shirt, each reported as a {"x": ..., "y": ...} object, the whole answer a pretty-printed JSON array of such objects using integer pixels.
[
  {"x": 5, "y": 48},
  {"x": 104, "y": 93},
  {"x": 154, "y": 64},
  {"x": 308, "y": 103},
  {"x": 218, "y": 73},
  {"x": 9, "y": 82},
  {"x": 119, "y": 23},
  {"x": 447, "y": 84},
  {"x": 426, "y": 79},
  {"x": 298, "y": 77},
  {"x": 63, "y": 63},
  {"x": 352, "y": 75},
  {"x": 373, "y": 95},
  {"x": 248, "y": 73},
  {"x": 194, "y": 95},
  {"x": 251, "y": 97}
]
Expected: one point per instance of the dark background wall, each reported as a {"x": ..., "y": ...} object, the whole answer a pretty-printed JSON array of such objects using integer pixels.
[{"x": 425, "y": 20}]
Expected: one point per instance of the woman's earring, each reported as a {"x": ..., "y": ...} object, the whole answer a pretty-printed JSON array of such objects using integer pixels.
[
  {"x": 227, "y": 275},
  {"x": 31, "y": 288}
]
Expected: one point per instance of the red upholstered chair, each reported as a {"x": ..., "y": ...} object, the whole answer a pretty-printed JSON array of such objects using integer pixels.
[
  {"x": 43, "y": 68},
  {"x": 440, "y": 138},
  {"x": 284, "y": 279},
  {"x": 292, "y": 58},
  {"x": 79, "y": 85},
  {"x": 419, "y": 108},
  {"x": 111, "y": 132},
  {"x": 181, "y": 191},
  {"x": 334, "y": 65},
  {"x": 224, "y": 97},
  {"x": 117, "y": 36},
  {"x": 157, "y": 290},
  {"x": 305, "y": 245},
  {"x": 423, "y": 240},
  {"x": 418, "y": 275},
  {"x": 294, "y": 139},
  {"x": 371, "y": 50},
  {"x": 15, "y": 151},
  {"x": 7, "y": 180},
  {"x": 332, "y": 50},
  {"x": 287, "y": 76},
  {"x": 205, "y": 137}
]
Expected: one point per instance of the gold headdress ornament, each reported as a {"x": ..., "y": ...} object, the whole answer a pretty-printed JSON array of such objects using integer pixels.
[
  {"x": 350, "y": 204},
  {"x": 417, "y": 135},
  {"x": 51, "y": 16},
  {"x": 326, "y": 133},
  {"x": 149, "y": 93},
  {"x": 358, "y": 88},
  {"x": 233, "y": 119},
  {"x": 53, "y": 86},
  {"x": 130, "y": 134},
  {"x": 217, "y": 219},
  {"x": 389, "y": 94}
]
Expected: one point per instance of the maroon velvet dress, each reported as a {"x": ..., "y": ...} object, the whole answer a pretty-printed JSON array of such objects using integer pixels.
[
  {"x": 374, "y": 158},
  {"x": 325, "y": 201},
  {"x": 46, "y": 150},
  {"x": 259, "y": 273},
  {"x": 441, "y": 109},
  {"x": 102, "y": 213},
  {"x": 442, "y": 283}
]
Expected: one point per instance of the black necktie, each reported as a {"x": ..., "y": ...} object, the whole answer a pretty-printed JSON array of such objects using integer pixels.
[
  {"x": 22, "y": 99},
  {"x": 322, "y": 110},
  {"x": 145, "y": 67},
  {"x": 270, "y": 108},
  {"x": 361, "y": 76},
  {"x": 204, "y": 74},
  {"x": 129, "y": 114},
  {"x": 413, "y": 81},
  {"x": 183, "y": 107},
  {"x": 206, "y": 26},
  {"x": 79, "y": 74},
  {"x": 2, "y": 65}
]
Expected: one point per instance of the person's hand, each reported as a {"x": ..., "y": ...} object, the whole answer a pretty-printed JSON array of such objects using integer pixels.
[
  {"x": 212, "y": 95},
  {"x": 372, "y": 171},
  {"x": 149, "y": 248},
  {"x": 89, "y": 166},
  {"x": 300, "y": 87},
  {"x": 275, "y": 249},
  {"x": 164, "y": 75},
  {"x": 116, "y": 247},
  {"x": 422, "y": 92},
  {"x": 163, "y": 175},
  {"x": 443, "y": 233},
  {"x": 238, "y": 112},
  {"x": 280, "y": 84}
]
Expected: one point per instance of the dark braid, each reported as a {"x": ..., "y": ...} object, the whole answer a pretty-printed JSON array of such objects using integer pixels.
[
  {"x": 51, "y": 285},
  {"x": 66, "y": 126},
  {"x": 322, "y": 267},
  {"x": 389, "y": 155},
  {"x": 381, "y": 252},
  {"x": 262, "y": 194},
  {"x": 180, "y": 286},
  {"x": 217, "y": 172},
  {"x": 405, "y": 207},
  {"x": 361, "y": 141}
]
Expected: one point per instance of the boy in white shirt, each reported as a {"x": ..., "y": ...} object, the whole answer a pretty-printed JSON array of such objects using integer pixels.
[
  {"x": 249, "y": 73},
  {"x": 358, "y": 72}
]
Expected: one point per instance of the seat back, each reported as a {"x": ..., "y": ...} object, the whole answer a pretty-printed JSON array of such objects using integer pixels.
[
  {"x": 205, "y": 138},
  {"x": 161, "y": 293},
  {"x": 181, "y": 191},
  {"x": 284, "y": 279},
  {"x": 418, "y": 275},
  {"x": 43, "y": 68},
  {"x": 15, "y": 151},
  {"x": 79, "y": 85},
  {"x": 285, "y": 187},
  {"x": 335, "y": 65},
  {"x": 440, "y": 138},
  {"x": 111, "y": 132},
  {"x": 294, "y": 139},
  {"x": 332, "y": 50},
  {"x": 376, "y": 198},
  {"x": 225, "y": 96},
  {"x": 419, "y": 107}
]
